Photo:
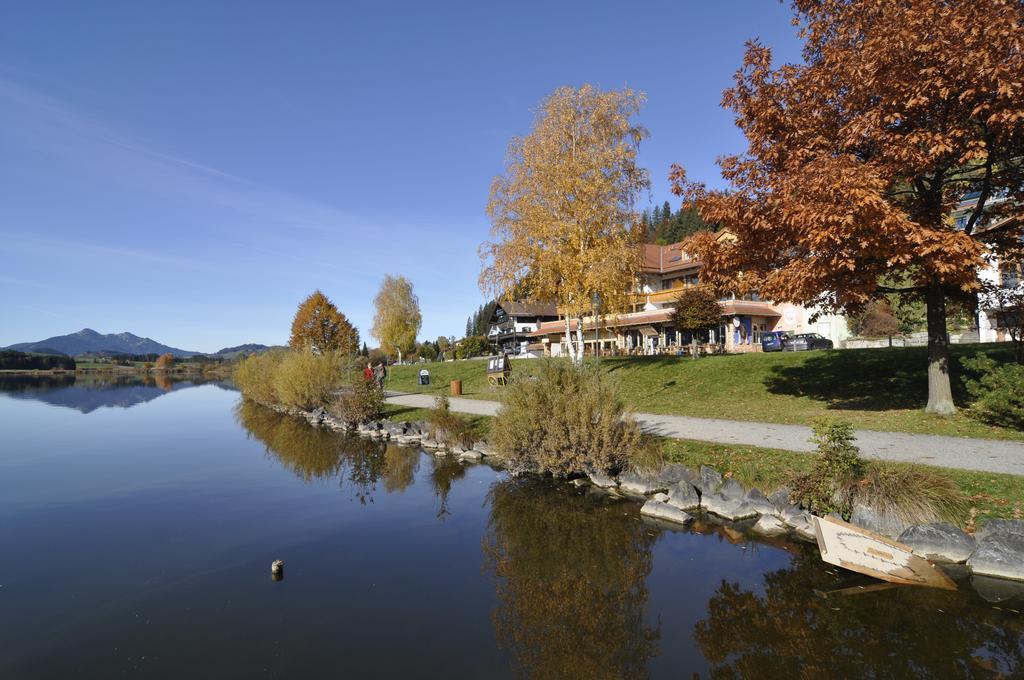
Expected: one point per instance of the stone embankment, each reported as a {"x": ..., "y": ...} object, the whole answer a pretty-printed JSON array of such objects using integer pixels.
[{"x": 993, "y": 556}]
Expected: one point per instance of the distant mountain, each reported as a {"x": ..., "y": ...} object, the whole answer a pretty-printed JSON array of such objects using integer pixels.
[
  {"x": 88, "y": 341},
  {"x": 249, "y": 348}
]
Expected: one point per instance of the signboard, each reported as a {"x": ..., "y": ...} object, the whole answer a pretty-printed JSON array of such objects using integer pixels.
[{"x": 860, "y": 550}]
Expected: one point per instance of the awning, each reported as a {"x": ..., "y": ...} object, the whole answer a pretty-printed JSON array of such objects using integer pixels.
[{"x": 648, "y": 331}]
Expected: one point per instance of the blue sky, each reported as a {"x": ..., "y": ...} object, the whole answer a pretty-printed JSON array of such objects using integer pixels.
[{"x": 190, "y": 171}]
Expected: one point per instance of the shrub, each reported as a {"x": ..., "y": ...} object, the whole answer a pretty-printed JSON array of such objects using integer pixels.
[
  {"x": 998, "y": 392},
  {"x": 305, "y": 380},
  {"x": 448, "y": 428},
  {"x": 827, "y": 487},
  {"x": 363, "y": 402},
  {"x": 254, "y": 376},
  {"x": 913, "y": 493},
  {"x": 840, "y": 478},
  {"x": 566, "y": 421}
]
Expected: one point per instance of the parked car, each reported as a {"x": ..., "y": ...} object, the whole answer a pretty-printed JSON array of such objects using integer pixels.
[
  {"x": 772, "y": 340},
  {"x": 806, "y": 341}
]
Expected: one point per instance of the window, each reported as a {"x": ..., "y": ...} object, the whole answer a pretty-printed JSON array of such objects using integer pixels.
[
  {"x": 1010, "y": 275},
  {"x": 666, "y": 284}
]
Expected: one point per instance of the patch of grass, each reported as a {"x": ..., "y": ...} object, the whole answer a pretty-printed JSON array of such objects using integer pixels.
[{"x": 874, "y": 389}]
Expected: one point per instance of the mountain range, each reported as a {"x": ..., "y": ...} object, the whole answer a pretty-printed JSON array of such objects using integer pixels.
[{"x": 88, "y": 341}]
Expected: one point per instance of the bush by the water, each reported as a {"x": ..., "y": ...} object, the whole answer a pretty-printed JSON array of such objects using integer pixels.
[
  {"x": 307, "y": 380},
  {"x": 448, "y": 428},
  {"x": 296, "y": 379},
  {"x": 827, "y": 487},
  {"x": 565, "y": 421},
  {"x": 840, "y": 478},
  {"x": 361, "y": 402},
  {"x": 254, "y": 376},
  {"x": 998, "y": 392}
]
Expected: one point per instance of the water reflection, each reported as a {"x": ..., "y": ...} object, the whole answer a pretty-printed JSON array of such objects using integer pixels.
[
  {"x": 88, "y": 392},
  {"x": 313, "y": 453},
  {"x": 571, "y": 581},
  {"x": 796, "y": 629},
  {"x": 445, "y": 470}
]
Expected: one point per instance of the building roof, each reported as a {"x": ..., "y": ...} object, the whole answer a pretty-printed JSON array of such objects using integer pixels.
[
  {"x": 521, "y": 308},
  {"x": 748, "y": 307},
  {"x": 664, "y": 259}
]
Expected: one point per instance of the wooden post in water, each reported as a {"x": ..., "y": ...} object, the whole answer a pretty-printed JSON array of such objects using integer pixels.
[{"x": 277, "y": 570}]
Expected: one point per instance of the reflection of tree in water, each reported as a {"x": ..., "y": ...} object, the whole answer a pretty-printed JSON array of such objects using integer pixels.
[
  {"x": 571, "y": 581},
  {"x": 445, "y": 471},
  {"x": 313, "y": 453},
  {"x": 900, "y": 633}
]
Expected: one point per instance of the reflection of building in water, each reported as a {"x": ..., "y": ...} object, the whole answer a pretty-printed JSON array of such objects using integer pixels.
[
  {"x": 571, "y": 582},
  {"x": 313, "y": 453}
]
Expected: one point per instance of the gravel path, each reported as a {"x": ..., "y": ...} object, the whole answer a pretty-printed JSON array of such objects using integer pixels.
[{"x": 985, "y": 455}]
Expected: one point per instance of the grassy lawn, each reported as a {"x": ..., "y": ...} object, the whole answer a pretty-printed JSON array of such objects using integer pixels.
[
  {"x": 875, "y": 389},
  {"x": 991, "y": 495}
]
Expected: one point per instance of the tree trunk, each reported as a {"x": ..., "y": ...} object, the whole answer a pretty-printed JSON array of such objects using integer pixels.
[
  {"x": 940, "y": 395},
  {"x": 579, "y": 343},
  {"x": 570, "y": 347},
  {"x": 693, "y": 346}
]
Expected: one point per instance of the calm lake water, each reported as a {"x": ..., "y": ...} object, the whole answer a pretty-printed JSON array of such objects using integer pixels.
[{"x": 138, "y": 523}]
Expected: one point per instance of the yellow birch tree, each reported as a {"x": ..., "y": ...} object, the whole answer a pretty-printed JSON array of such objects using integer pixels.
[
  {"x": 398, "y": 317},
  {"x": 564, "y": 225}
]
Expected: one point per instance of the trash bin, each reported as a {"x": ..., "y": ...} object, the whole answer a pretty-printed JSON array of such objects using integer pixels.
[
  {"x": 456, "y": 388},
  {"x": 424, "y": 377}
]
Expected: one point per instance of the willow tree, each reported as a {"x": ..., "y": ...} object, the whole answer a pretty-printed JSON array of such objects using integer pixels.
[
  {"x": 899, "y": 113},
  {"x": 321, "y": 328},
  {"x": 564, "y": 226},
  {"x": 398, "y": 317}
]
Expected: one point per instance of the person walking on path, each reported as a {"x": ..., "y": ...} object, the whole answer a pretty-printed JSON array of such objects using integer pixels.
[
  {"x": 380, "y": 372},
  {"x": 368, "y": 373}
]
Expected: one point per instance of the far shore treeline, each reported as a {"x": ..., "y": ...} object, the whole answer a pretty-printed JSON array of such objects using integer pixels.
[{"x": 13, "y": 360}]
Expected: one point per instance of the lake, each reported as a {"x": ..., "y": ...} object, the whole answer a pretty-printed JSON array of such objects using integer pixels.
[{"x": 138, "y": 523}]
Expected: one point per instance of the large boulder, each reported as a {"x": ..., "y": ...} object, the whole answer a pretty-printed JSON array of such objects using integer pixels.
[
  {"x": 767, "y": 525},
  {"x": 757, "y": 500},
  {"x": 878, "y": 521},
  {"x": 729, "y": 508},
  {"x": 732, "y": 489},
  {"x": 641, "y": 482},
  {"x": 601, "y": 480},
  {"x": 646, "y": 482},
  {"x": 801, "y": 522},
  {"x": 780, "y": 498},
  {"x": 710, "y": 480},
  {"x": 939, "y": 541},
  {"x": 1000, "y": 526},
  {"x": 999, "y": 554},
  {"x": 683, "y": 496},
  {"x": 664, "y": 511}
]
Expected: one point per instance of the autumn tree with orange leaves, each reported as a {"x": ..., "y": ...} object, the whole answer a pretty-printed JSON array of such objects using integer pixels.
[
  {"x": 901, "y": 111},
  {"x": 321, "y": 328}
]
